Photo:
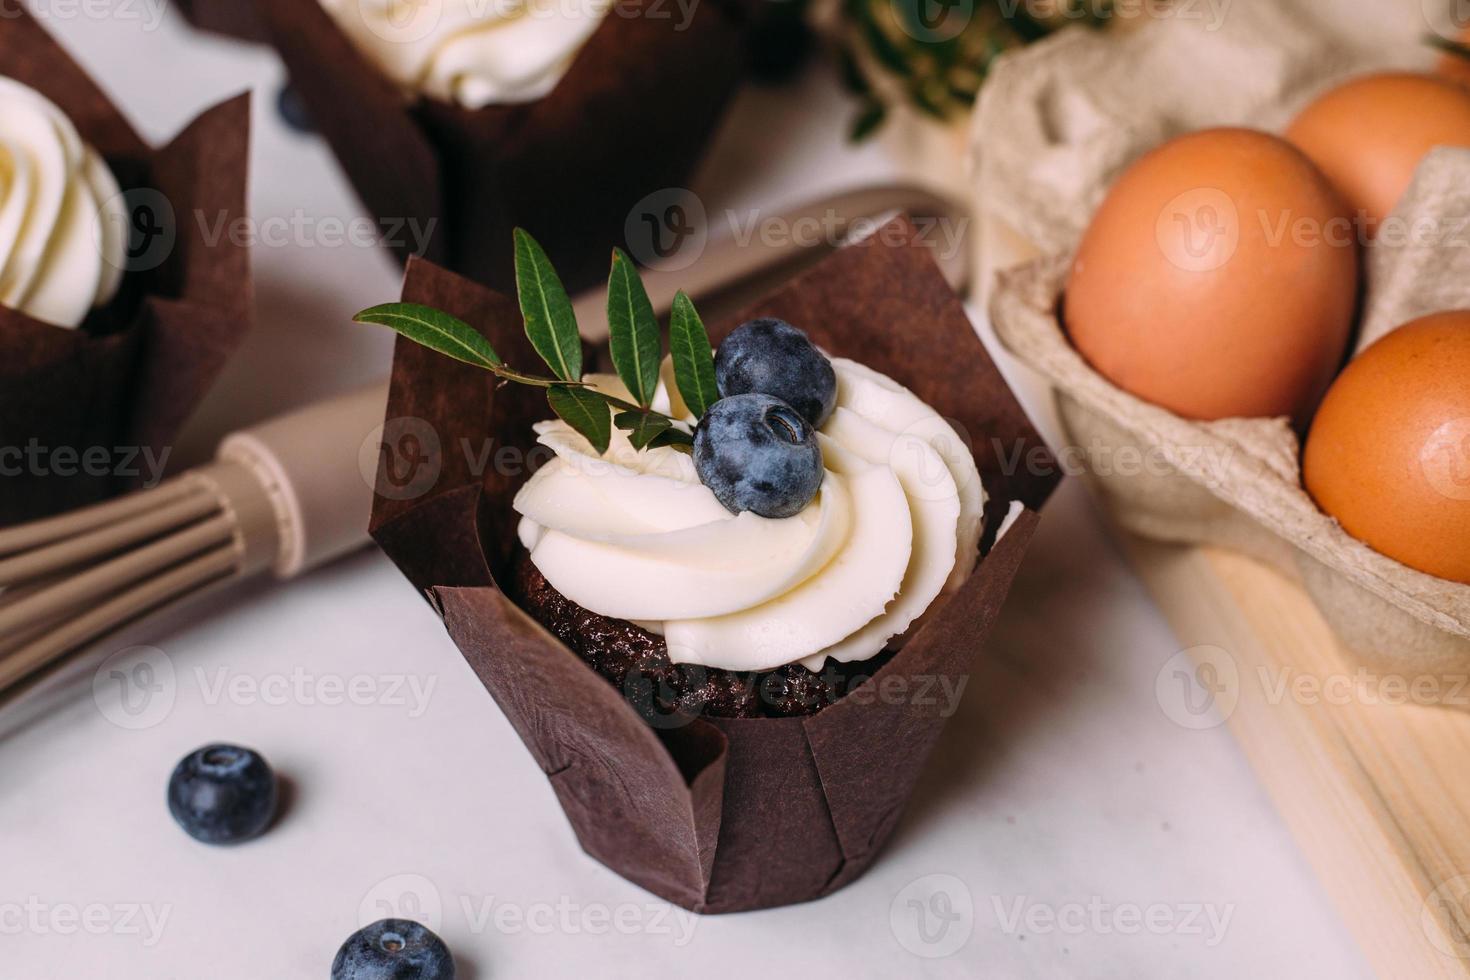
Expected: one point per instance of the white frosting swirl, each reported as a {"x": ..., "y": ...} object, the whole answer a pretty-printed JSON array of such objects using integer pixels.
[
  {"x": 635, "y": 535},
  {"x": 473, "y": 52},
  {"x": 63, "y": 224}
]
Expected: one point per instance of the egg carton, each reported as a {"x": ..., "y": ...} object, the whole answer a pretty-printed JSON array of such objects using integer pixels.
[
  {"x": 1056, "y": 124},
  {"x": 1235, "y": 483}
]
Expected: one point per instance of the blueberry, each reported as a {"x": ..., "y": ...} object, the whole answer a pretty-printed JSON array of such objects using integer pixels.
[
  {"x": 757, "y": 454},
  {"x": 393, "y": 949},
  {"x": 774, "y": 358},
  {"x": 293, "y": 111},
  {"x": 222, "y": 794}
]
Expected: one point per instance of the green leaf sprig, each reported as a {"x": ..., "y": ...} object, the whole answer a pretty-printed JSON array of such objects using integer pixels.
[
  {"x": 935, "y": 57},
  {"x": 551, "y": 326}
]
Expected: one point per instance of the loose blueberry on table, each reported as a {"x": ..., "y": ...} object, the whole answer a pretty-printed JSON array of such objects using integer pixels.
[
  {"x": 393, "y": 949},
  {"x": 293, "y": 111},
  {"x": 222, "y": 794}
]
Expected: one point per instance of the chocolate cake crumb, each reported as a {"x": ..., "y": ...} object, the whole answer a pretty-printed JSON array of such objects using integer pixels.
[{"x": 664, "y": 693}]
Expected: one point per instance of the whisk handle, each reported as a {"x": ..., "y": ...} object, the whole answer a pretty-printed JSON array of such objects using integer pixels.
[{"x": 316, "y": 466}]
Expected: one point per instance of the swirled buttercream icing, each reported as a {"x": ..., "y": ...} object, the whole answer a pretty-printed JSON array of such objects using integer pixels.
[
  {"x": 471, "y": 52},
  {"x": 62, "y": 219},
  {"x": 634, "y": 535}
]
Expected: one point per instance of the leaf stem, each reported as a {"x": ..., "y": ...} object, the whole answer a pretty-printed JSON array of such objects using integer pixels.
[{"x": 508, "y": 373}]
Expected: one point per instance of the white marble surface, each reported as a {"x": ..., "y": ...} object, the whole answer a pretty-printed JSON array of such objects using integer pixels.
[{"x": 1089, "y": 835}]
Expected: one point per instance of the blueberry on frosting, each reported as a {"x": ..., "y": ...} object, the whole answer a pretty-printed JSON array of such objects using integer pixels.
[
  {"x": 772, "y": 357},
  {"x": 755, "y": 453}
]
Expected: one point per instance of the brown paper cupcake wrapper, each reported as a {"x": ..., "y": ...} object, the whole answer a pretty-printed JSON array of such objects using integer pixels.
[
  {"x": 716, "y": 815},
  {"x": 125, "y": 383},
  {"x": 631, "y": 117},
  {"x": 232, "y": 18}
]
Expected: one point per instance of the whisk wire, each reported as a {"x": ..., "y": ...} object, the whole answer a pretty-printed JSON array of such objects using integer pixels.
[
  {"x": 40, "y": 533},
  {"x": 192, "y": 576},
  {"x": 97, "y": 583},
  {"x": 108, "y": 539}
]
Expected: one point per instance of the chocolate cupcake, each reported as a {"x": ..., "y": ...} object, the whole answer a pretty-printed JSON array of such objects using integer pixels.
[
  {"x": 116, "y": 312},
  {"x": 727, "y": 665},
  {"x": 457, "y": 122}
]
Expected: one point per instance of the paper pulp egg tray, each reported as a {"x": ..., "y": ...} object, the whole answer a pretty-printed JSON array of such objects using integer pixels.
[{"x": 1056, "y": 125}]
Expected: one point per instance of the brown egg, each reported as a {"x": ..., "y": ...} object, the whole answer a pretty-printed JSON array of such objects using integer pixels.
[
  {"x": 1455, "y": 67},
  {"x": 1218, "y": 279},
  {"x": 1389, "y": 451},
  {"x": 1369, "y": 134}
]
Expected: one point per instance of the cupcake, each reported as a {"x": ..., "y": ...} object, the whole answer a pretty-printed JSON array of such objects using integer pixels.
[
  {"x": 115, "y": 312},
  {"x": 457, "y": 122},
  {"x": 721, "y": 621}
]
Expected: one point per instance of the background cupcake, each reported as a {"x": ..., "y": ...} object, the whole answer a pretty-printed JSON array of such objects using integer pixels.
[
  {"x": 472, "y": 119},
  {"x": 115, "y": 313}
]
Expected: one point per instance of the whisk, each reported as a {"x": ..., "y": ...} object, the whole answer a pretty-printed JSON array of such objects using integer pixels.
[
  {"x": 279, "y": 498},
  {"x": 283, "y": 497}
]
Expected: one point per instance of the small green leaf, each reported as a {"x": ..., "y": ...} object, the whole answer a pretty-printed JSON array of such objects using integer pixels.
[
  {"x": 435, "y": 330},
  {"x": 922, "y": 94},
  {"x": 883, "y": 49},
  {"x": 550, "y": 323},
  {"x": 674, "y": 439},
  {"x": 642, "y": 427},
  {"x": 632, "y": 329},
  {"x": 694, "y": 364},
  {"x": 584, "y": 411},
  {"x": 852, "y": 75},
  {"x": 869, "y": 118}
]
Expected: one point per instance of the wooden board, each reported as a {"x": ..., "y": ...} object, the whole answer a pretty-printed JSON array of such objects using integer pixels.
[{"x": 1372, "y": 779}]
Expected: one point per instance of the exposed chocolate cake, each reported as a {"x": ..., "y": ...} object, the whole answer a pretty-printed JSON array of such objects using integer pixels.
[{"x": 636, "y": 662}]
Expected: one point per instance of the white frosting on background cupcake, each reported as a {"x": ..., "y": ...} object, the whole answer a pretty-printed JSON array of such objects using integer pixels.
[
  {"x": 62, "y": 219},
  {"x": 472, "y": 52},
  {"x": 635, "y": 535}
]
